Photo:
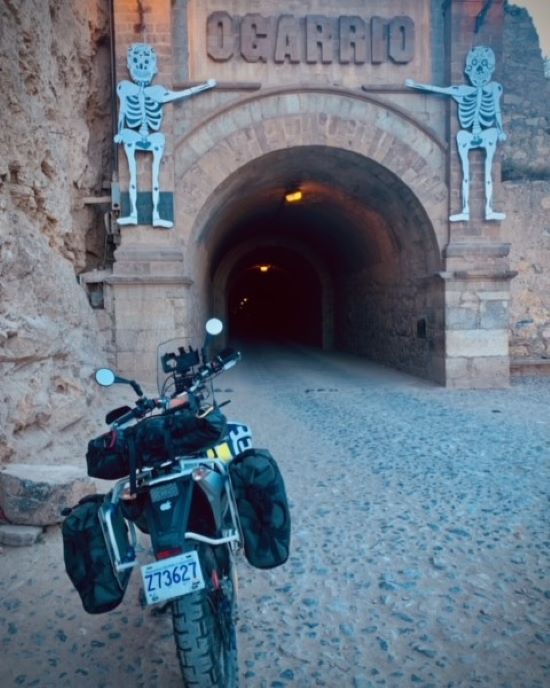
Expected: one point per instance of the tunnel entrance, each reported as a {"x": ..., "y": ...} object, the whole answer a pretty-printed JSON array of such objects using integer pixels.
[
  {"x": 352, "y": 266},
  {"x": 274, "y": 294}
]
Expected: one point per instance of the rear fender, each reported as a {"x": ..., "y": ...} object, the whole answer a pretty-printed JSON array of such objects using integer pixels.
[{"x": 167, "y": 513}]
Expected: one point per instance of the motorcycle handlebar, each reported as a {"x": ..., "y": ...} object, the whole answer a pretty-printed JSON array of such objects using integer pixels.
[
  {"x": 126, "y": 418},
  {"x": 143, "y": 405},
  {"x": 226, "y": 359}
]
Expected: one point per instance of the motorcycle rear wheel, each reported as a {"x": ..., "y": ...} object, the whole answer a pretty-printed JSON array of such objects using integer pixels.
[{"x": 206, "y": 638}]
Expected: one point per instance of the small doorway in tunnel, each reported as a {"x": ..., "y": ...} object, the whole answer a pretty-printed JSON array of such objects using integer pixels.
[{"x": 275, "y": 295}]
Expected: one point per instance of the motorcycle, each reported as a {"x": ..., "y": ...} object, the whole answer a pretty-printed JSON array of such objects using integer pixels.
[{"x": 184, "y": 500}]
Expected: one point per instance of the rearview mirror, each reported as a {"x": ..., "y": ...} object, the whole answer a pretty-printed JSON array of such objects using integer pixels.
[
  {"x": 214, "y": 326},
  {"x": 105, "y": 377}
]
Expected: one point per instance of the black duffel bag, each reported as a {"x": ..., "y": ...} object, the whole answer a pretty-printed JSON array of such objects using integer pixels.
[
  {"x": 87, "y": 560},
  {"x": 157, "y": 438},
  {"x": 107, "y": 456},
  {"x": 177, "y": 433},
  {"x": 263, "y": 508}
]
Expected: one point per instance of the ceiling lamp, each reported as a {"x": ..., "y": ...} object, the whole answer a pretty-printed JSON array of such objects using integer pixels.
[
  {"x": 264, "y": 268},
  {"x": 293, "y": 196}
]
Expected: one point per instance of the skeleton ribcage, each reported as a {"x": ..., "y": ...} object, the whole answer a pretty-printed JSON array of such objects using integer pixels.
[
  {"x": 477, "y": 116},
  {"x": 148, "y": 112}
]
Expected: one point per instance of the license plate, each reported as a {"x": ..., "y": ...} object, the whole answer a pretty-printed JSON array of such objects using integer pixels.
[{"x": 174, "y": 577}]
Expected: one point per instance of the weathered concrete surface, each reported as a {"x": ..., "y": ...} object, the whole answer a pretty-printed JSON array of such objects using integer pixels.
[
  {"x": 34, "y": 495},
  {"x": 419, "y": 550}
]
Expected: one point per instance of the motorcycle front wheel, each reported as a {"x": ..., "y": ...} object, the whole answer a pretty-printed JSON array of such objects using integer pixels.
[{"x": 206, "y": 637}]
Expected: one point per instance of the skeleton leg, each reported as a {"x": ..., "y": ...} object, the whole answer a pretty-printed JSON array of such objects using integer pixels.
[
  {"x": 131, "y": 219},
  {"x": 158, "y": 141},
  {"x": 464, "y": 143},
  {"x": 489, "y": 138}
]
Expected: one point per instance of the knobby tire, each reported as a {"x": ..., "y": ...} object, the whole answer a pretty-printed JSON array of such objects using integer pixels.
[{"x": 205, "y": 635}]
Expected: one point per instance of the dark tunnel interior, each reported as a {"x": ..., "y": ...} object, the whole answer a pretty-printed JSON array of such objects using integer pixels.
[{"x": 275, "y": 295}]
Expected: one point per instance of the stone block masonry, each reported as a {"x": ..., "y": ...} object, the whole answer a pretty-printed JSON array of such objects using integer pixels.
[{"x": 212, "y": 144}]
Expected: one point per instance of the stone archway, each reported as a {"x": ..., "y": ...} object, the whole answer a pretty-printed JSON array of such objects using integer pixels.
[
  {"x": 398, "y": 159},
  {"x": 277, "y": 119}
]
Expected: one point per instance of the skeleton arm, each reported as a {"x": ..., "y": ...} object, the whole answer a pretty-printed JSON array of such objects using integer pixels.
[
  {"x": 124, "y": 89},
  {"x": 497, "y": 92},
  {"x": 165, "y": 95},
  {"x": 121, "y": 120},
  {"x": 456, "y": 92}
]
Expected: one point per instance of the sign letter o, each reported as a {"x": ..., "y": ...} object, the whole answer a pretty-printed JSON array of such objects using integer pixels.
[
  {"x": 401, "y": 39},
  {"x": 220, "y": 36}
]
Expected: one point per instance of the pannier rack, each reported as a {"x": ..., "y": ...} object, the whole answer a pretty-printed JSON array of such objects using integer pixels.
[{"x": 182, "y": 467}]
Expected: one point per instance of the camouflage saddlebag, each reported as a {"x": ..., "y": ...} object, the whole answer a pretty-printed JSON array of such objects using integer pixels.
[
  {"x": 87, "y": 559},
  {"x": 263, "y": 508}
]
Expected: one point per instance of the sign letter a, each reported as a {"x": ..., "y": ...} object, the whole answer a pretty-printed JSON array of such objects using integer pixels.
[{"x": 287, "y": 42}]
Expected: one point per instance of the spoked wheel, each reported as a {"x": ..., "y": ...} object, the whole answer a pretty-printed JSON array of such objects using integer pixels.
[{"x": 205, "y": 632}]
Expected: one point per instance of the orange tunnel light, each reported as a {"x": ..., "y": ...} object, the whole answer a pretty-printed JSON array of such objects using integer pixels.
[{"x": 293, "y": 197}]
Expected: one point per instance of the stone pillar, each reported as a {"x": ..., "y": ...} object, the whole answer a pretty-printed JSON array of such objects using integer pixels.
[
  {"x": 477, "y": 273},
  {"x": 150, "y": 302},
  {"x": 148, "y": 289},
  {"x": 477, "y": 292}
]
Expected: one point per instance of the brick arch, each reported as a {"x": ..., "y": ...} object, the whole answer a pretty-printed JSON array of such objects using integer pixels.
[{"x": 275, "y": 119}]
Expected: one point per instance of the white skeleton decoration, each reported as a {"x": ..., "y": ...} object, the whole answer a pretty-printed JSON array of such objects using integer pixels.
[
  {"x": 481, "y": 121},
  {"x": 139, "y": 121}
]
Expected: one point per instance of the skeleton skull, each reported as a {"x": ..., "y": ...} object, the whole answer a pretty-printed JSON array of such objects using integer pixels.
[
  {"x": 480, "y": 65},
  {"x": 142, "y": 62}
]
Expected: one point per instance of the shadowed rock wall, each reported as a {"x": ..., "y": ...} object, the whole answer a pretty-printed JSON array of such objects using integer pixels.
[{"x": 54, "y": 151}]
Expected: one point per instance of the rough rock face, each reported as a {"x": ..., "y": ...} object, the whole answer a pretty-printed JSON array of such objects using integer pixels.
[
  {"x": 526, "y": 176},
  {"x": 53, "y": 148}
]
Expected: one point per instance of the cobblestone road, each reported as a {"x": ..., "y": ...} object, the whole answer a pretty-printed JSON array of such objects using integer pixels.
[{"x": 419, "y": 555}]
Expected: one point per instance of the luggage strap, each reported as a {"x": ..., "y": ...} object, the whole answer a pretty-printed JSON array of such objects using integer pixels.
[{"x": 133, "y": 463}]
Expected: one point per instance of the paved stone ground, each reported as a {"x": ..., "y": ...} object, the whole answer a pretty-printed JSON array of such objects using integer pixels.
[{"x": 419, "y": 555}]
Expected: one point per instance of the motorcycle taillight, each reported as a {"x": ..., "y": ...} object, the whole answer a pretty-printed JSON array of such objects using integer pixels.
[
  {"x": 167, "y": 553},
  {"x": 200, "y": 473}
]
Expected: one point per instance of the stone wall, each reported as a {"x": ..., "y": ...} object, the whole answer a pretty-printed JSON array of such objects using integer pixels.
[
  {"x": 54, "y": 152},
  {"x": 526, "y": 177},
  {"x": 396, "y": 324}
]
